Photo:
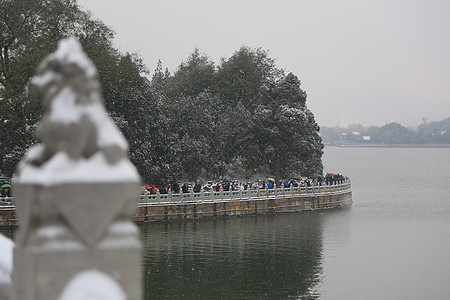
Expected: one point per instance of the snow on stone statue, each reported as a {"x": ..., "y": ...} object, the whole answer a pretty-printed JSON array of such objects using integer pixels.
[{"x": 75, "y": 193}]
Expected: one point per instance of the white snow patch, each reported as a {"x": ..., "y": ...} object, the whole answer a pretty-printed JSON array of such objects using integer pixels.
[
  {"x": 34, "y": 153},
  {"x": 117, "y": 243},
  {"x": 125, "y": 227},
  {"x": 60, "y": 246},
  {"x": 108, "y": 133},
  {"x": 70, "y": 51},
  {"x": 51, "y": 231},
  {"x": 64, "y": 109},
  {"x": 292, "y": 111},
  {"x": 61, "y": 169},
  {"x": 41, "y": 80},
  {"x": 6, "y": 259},
  {"x": 92, "y": 285}
]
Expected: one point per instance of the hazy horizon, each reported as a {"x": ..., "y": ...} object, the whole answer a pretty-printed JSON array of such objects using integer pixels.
[{"x": 369, "y": 62}]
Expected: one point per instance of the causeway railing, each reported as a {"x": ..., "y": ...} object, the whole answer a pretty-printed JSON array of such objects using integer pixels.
[
  {"x": 6, "y": 203},
  {"x": 205, "y": 196}
]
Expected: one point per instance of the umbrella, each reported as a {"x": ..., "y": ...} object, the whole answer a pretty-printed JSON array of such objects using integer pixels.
[
  {"x": 271, "y": 179},
  {"x": 6, "y": 185},
  {"x": 285, "y": 182},
  {"x": 146, "y": 186}
]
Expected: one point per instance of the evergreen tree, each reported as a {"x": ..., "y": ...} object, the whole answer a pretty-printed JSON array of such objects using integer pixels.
[
  {"x": 30, "y": 29},
  {"x": 243, "y": 118},
  {"x": 288, "y": 134},
  {"x": 240, "y": 118},
  {"x": 194, "y": 76},
  {"x": 393, "y": 133}
]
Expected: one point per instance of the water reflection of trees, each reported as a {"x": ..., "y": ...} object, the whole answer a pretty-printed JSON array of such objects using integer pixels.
[{"x": 272, "y": 257}]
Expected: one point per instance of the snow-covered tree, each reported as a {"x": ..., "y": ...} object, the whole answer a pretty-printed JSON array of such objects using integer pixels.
[
  {"x": 241, "y": 117},
  {"x": 287, "y": 132},
  {"x": 29, "y": 31}
]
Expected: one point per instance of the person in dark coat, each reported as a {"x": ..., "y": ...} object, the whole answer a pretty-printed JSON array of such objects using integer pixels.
[
  {"x": 162, "y": 190},
  {"x": 197, "y": 188},
  {"x": 176, "y": 187}
]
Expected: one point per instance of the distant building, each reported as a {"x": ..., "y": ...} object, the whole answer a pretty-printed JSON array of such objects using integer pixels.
[{"x": 351, "y": 138}]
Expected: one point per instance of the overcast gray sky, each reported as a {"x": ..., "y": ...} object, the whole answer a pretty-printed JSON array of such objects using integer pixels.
[{"x": 360, "y": 61}]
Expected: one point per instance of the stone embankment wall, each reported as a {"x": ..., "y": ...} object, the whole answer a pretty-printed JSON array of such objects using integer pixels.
[
  {"x": 8, "y": 215},
  {"x": 266, "y": 204}
]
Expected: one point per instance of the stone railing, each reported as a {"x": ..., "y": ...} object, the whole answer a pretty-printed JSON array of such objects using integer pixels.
[
  {"x": 6, "y": 200},
  {"x": 226, "y": 195},
  {"x": 155, "y": 199}
]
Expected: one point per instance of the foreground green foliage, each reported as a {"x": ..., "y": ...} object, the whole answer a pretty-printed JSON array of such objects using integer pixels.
[{"x": 241, "y": 118}]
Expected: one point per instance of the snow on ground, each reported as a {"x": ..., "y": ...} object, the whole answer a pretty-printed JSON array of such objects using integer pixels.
[{"x": 6, "y": 259}]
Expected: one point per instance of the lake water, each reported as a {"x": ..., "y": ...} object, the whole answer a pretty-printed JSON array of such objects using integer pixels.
[{"x": 392, "y": 243}]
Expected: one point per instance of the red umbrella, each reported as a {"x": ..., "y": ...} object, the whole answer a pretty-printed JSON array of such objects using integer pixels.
[{"x": 146, "y": 186}]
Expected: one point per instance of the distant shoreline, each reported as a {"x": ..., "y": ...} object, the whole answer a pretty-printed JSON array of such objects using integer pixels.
[{"x": 389, "y": 145}]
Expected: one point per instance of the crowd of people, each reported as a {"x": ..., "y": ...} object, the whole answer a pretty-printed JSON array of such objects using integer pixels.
[{"x": 177, "y": 187}]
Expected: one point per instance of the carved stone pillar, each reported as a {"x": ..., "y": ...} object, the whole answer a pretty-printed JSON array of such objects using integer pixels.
[{"x": 75, "y": 193}]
